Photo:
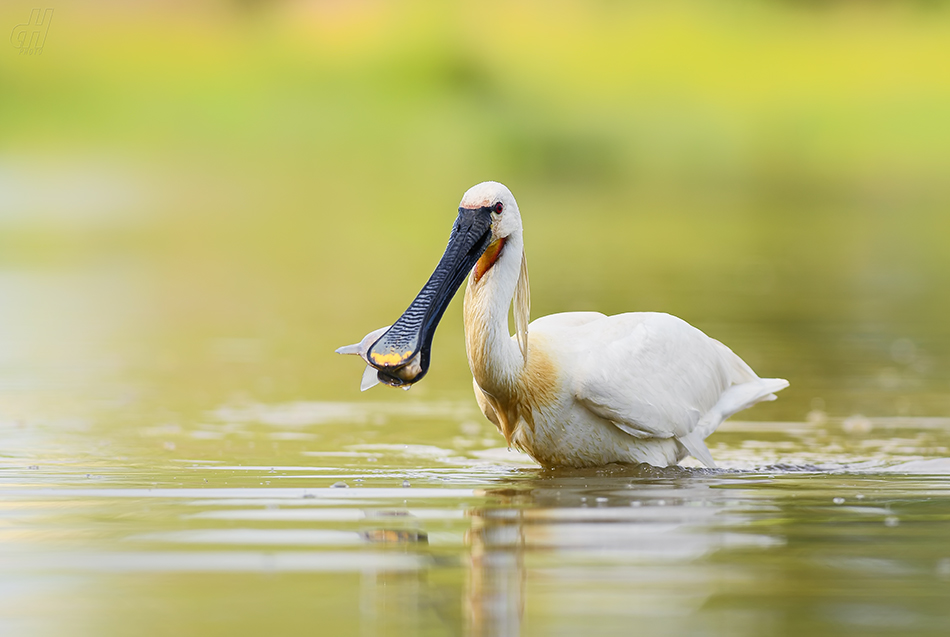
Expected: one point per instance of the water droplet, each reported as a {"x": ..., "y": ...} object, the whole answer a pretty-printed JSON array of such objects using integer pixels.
[
  {"x": 339, "y": 485},
  {"x": 838, "y": 500}
]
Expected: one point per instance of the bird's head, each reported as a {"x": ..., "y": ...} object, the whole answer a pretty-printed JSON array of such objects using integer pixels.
[
  {"x": 497, "y": 201},
  {"x": 487, "y": 217}
]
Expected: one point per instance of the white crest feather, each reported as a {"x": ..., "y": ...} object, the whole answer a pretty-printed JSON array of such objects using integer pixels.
[{"x": 522, "y": 307}]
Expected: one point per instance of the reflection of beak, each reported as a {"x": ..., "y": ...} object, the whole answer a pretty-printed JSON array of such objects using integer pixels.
[{"x": 402, "y": 354}]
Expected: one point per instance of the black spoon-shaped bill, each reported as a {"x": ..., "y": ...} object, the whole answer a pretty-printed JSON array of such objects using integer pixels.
[{"x": 402, "y": 353}]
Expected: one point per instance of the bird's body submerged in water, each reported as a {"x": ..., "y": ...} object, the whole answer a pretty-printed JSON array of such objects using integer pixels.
[{"x": 574, "y": 389}]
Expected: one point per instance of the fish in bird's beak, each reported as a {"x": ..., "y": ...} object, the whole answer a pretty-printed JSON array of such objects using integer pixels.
[
  {"x": 360, "y": 349},
  {"x": 401, "y": 354}
]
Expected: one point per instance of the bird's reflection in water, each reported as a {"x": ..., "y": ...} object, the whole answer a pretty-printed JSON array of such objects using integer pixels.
[
  {"x": 630, "y": 538},
  {"x": 634, "y": 540},
  {"x": 495, "y": 587}
]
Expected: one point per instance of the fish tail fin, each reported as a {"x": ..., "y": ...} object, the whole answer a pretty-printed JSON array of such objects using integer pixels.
[{"x": 370, "y": 378}]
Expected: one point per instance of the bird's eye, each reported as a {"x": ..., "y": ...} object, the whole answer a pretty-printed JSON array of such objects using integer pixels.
[{"x": 498, "y": 207}]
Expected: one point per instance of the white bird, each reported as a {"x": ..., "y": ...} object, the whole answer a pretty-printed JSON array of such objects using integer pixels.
[{"x": 574, "y": 389}]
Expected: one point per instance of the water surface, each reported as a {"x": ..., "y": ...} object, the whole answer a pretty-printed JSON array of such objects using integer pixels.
[
  {"x": 199, "y": 202},
  {"x": 316, "y": 517},
  {"x": 146, "y": 488}
]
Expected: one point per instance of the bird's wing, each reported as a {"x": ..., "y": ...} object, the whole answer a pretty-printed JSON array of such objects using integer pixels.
[{"x": 651, "y": 375}]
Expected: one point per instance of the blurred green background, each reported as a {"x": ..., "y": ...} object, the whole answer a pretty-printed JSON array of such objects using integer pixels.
[{"x": 203, "y": 200}]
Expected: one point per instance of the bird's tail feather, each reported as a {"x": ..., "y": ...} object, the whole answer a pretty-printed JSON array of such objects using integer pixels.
[
  {"x": 697, "y": 448},
  {"x": 737, "y": 398}
]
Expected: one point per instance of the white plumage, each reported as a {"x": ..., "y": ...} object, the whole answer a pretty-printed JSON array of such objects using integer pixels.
[{"x": 591, "y": 389}]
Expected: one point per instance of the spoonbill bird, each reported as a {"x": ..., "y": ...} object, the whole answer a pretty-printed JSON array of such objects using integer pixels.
[{"x": 575, "y": 389}]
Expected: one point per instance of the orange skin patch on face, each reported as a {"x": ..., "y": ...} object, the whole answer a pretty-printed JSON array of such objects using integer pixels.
[{"x": 487, "y": 260}]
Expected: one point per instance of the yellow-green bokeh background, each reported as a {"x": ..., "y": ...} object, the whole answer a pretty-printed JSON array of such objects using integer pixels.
[
  {"x": 227, "y": 191},
  {"x": 200, "y": 201}
]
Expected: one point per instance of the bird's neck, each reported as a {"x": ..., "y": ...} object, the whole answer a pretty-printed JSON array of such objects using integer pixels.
[{"x": 494, "y": 357}]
